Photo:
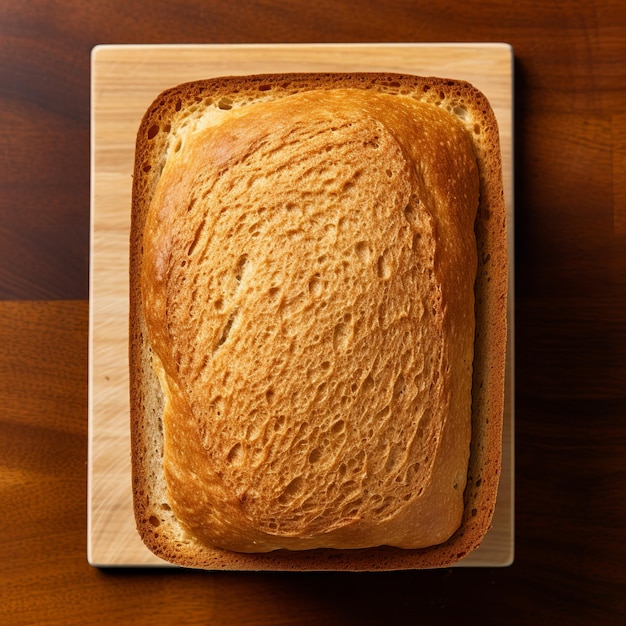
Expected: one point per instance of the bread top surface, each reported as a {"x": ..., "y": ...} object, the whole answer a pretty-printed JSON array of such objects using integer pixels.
[
  {"x": 317, "y": 252},
  {"x": 308, "y": 286}
]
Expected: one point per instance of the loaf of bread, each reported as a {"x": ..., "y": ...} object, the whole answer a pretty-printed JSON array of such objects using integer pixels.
[{"x": 318, "y": 322}]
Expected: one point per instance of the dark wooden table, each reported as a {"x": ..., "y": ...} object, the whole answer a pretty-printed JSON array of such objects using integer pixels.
[{"x": 570, "y": 138}]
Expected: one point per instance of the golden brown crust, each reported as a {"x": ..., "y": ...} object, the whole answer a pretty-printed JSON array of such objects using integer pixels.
[{"x": 158, "y": 134}]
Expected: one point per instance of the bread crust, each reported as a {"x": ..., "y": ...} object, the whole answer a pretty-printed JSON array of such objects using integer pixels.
[{"x": 200, "y": 104}]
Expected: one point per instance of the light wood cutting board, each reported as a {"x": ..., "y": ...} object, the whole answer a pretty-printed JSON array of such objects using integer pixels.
[{"x": 125, "y": 81}]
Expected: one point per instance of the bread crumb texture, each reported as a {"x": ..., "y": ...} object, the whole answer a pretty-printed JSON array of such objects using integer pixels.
[{"x": 305, "y": 267}]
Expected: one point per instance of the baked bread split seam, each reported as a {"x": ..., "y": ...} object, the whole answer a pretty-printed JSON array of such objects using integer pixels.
[{"x": 318, "y": 288}]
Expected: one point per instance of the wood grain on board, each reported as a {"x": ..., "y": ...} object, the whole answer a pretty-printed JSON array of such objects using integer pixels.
[{"x": 125, "y": 81}]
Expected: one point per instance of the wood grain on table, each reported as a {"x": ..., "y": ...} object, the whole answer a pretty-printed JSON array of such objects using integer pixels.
[{"x": 570, "y": 224}]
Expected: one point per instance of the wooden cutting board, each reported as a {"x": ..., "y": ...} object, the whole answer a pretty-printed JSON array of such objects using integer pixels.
[{"x": 125, "y": 81}]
